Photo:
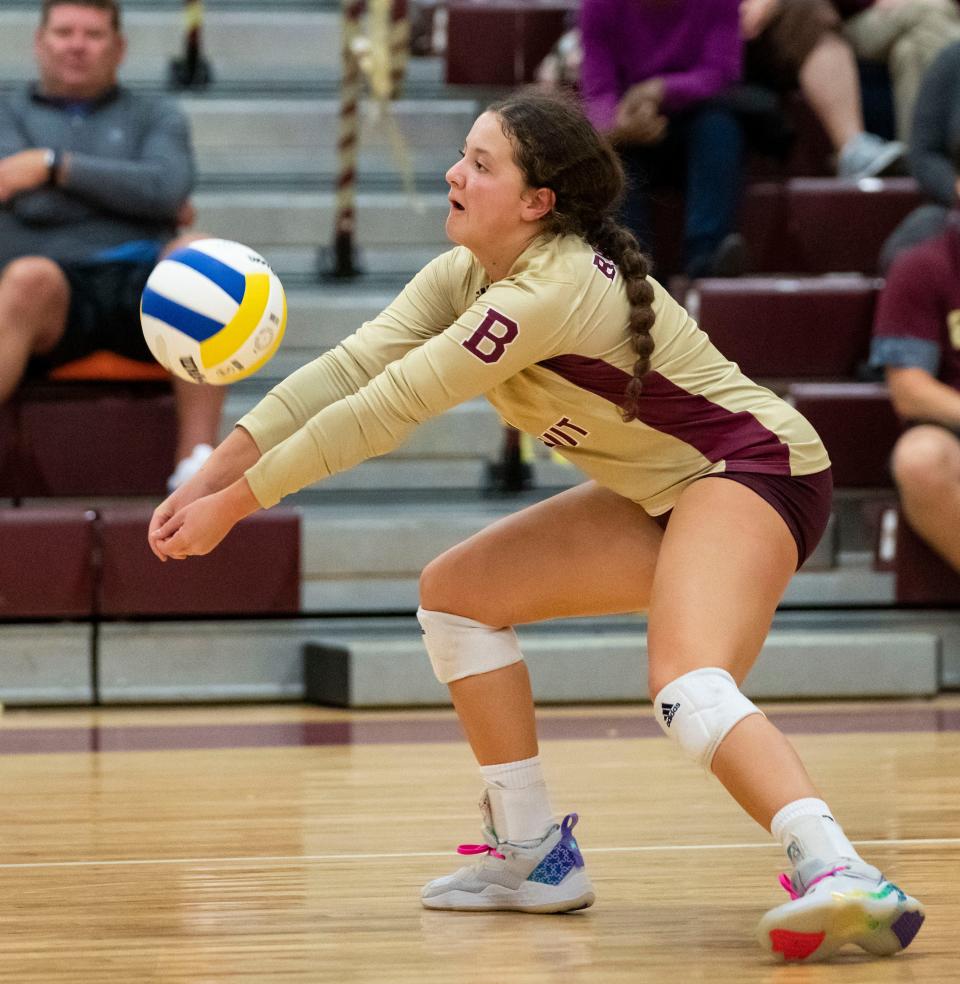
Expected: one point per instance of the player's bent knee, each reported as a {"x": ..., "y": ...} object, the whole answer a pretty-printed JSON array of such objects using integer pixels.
[
  {"x": 459, "y": 647},
  {"x": 699, "y": 709}
]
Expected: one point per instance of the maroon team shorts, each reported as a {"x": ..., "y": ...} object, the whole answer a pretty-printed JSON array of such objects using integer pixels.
[{"x": 803, "y": 501}]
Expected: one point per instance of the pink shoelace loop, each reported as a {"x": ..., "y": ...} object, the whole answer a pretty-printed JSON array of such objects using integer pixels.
[
  {"x": 787, "y": 885},
  {"x": 479, "y": 849}
]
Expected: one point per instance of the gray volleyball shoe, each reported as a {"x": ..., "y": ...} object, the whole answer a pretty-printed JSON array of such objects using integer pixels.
[
  {"x": 546, "y": 875},
  {"x": 834, "y": 904}
]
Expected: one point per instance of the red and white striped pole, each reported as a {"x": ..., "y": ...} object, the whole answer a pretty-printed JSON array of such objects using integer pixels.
[
  {"x": 351, "y": 83},
  {"x": 192, "y": 70}
]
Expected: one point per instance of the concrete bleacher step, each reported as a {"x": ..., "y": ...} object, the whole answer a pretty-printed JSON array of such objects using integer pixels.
[
  {"x": 306, "y": 218},
  {"x": 451, "y": 451},
  {"x": 381, "y": 662},
  {"x": 605, "y": 660},
  {"x": 269, "y": 43},
  {"x": 298, "y": 137}
]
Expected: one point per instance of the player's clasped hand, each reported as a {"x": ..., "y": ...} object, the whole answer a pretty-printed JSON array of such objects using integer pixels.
[
  {"x": 193, "y": 530},
  {"x": 186, "y": 525}
]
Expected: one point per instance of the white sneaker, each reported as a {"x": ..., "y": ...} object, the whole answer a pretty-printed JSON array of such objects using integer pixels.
[
  {"x": 866, "y": 156},
  {"x": 189, "y": 466},
  {"x": 832, "y": 905},
  {"x": 546, "y": 875}
]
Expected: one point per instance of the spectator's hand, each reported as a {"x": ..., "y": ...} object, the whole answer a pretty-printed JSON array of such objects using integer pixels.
[
  {"x": 22, "y": 171},
  {"x": 755, "y": 15},
  {"x": 648, "y": 91},
  {"x": 642, "y": 128},
  {"x": 186, "y": 215}
]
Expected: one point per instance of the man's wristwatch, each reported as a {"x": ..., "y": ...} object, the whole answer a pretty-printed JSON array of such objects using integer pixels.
[{"x": 52, "y": 159}]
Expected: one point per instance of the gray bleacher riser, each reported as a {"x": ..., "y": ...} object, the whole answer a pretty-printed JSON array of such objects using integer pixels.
[
  {"x": 572, "y": 662},
  {"x": 319, "y": 318},
  {"x": 244, "y": 660},
  {"x": 573, "y": 666},
  {"x": 299, "y": 136},
  {"x": 272, "y": 44},
  {"x": 45, "y": 664},
  {"x": 450, "y": 452},
  {"x": 264, "y": 220},
  {"x": 310, "y": 264}
]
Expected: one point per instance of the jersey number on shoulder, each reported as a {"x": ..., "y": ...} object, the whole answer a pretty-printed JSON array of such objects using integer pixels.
[
  {"x": 605, "y": 266},
  {"x": 490, "y": 340}
]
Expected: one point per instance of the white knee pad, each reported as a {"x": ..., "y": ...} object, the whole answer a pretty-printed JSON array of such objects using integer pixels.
[
  {"x": 460, "y": 647},
  {"x": 698, "y": 710}
]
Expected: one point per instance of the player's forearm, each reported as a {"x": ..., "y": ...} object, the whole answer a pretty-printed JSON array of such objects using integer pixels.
[{"x": 235, "y": 454}]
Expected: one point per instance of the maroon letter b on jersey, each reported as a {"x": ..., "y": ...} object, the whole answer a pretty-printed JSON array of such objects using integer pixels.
[{"x": 490, "y": 340}]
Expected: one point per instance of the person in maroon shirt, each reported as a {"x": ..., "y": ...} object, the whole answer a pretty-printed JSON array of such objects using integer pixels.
[{"x": 916, "y": 340}]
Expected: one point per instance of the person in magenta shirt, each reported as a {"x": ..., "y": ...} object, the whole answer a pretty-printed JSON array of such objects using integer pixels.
[{"x": 653, "y": 78}]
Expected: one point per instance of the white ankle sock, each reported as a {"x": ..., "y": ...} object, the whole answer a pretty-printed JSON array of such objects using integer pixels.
[
  {"x": 519, "y": 801},
  {"x": 806, "y": 829}
]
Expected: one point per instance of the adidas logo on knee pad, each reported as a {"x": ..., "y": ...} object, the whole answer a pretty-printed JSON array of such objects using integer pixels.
[{"x": 668, "y": 711}]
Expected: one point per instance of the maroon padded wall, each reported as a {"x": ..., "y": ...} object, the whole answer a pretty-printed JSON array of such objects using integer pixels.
[
  {"x": 45, "y": 569},
  {"x": 254, "y": 571},
  {"x": 95, "y": 439}
]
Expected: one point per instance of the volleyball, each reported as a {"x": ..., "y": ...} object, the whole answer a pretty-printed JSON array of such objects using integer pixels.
[{"x": 213, "y": 312}]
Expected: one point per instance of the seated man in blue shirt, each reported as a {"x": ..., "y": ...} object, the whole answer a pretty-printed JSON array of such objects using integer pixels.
[{"x": 94, "y": 182}]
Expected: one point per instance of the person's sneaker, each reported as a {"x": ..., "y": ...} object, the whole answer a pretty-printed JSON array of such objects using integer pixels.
[
  {"x": 866, "y": 156},
  {"x": 539, "y": 876},
  {"x": 832, "y": 905},
  {"x": 189, "y": 466}
]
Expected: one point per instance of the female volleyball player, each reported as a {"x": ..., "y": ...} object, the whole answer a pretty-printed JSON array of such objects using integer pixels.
[{"x": 707, "y": 492}]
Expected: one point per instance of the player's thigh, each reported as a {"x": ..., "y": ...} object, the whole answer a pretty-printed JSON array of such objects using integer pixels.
[
  {"x": 586, "y": 551},
  {"x": 725, "y": 561}
]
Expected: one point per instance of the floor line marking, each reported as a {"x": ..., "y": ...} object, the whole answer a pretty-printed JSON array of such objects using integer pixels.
[{"x": 402, "y": 855}]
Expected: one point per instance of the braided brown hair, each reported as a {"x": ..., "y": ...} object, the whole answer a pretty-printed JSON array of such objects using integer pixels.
[{"x": 556, "y": 147}]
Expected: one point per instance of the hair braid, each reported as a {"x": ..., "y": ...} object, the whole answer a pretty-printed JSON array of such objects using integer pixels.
[
  {"x": 618, "y": 244},
  {"x": 557, "y": 148}
]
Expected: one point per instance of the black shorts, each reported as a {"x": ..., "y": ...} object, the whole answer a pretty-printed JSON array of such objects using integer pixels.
[
  {"x": 803, "y": 501},
  {"x": 104, "y": 312}
]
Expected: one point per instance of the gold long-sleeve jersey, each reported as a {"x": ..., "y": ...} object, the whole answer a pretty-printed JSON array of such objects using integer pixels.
[{"x": 548, "y": 346}]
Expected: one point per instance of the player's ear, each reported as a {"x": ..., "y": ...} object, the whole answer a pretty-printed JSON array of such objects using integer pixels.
[{"x": 538, "y": 202}]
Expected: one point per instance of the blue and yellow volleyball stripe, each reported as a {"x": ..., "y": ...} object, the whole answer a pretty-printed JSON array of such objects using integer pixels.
[{"x": 218, "y": 341}]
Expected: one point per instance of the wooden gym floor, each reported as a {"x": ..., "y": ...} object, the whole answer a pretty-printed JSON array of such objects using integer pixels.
[{"x": 288, "y": 843}]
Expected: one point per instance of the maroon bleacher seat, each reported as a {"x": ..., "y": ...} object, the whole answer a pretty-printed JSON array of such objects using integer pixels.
[
  {"x": 501, "y": 42},
  {"x": 254, "y": 571},
  {"x": 93, "y": 438},
  {"x": 762, "y": 221},
  {"x": 8, "y": 451},
  {"x": 45, "y": 569},
  {"x": 857, "y": 424},
  {"x": 789, "y": 328},
  {"x": 838, "y": 225},
  {"x": 922, "y": 577}
]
